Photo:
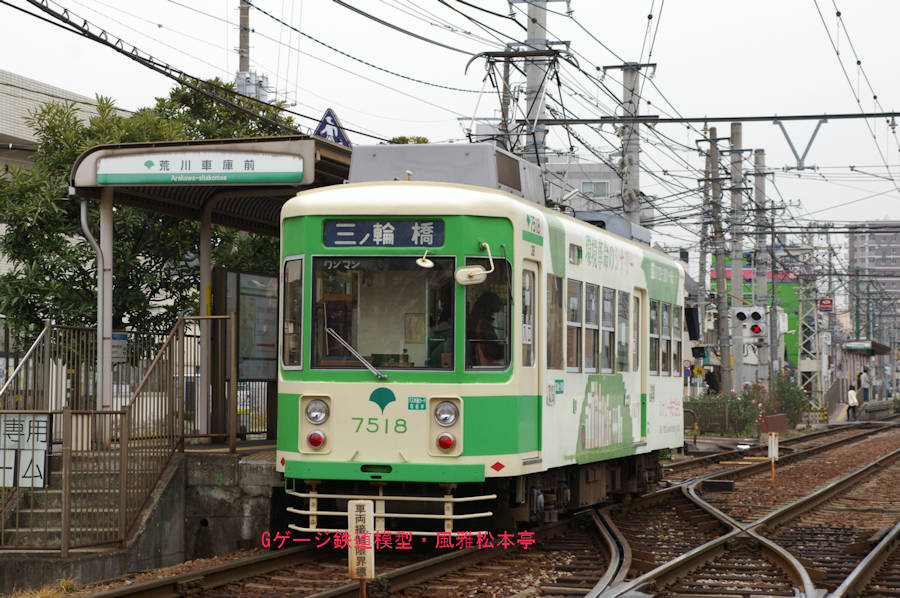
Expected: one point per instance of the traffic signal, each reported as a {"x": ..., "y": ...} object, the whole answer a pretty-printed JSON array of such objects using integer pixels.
[
  {"x": 752, "y": 320},
  {"x": 757, "y": 324}
]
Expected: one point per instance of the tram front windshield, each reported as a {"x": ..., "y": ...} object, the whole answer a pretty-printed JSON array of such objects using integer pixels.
[{"x": 390, "y": 310}]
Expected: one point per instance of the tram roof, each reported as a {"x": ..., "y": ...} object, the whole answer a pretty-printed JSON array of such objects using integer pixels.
[{"x": 248, "y": 199}]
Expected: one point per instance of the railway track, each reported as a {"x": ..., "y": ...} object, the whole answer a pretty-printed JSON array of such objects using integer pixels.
[
  {"x": 844, "y": 525},
  {"x": 661, "y": 527},
  {"x": 647, "y": 544},
  {"x": 689, "y": 469},
  {"x": 306, "y": 571},
  {"x": 796, "y": 476},
  {"x": 776, "y": 554}
]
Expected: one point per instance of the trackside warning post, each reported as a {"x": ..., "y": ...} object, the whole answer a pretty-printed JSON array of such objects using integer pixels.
[
  {"x": 361, "y": 552},
  {"x": 773, "y": 452}
]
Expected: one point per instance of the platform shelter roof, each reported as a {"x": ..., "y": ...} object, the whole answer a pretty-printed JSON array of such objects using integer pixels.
[{"x": 248, "y": 179}]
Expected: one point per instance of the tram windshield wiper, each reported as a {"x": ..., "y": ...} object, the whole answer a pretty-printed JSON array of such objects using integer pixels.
[{"x": 355, "y": 354}]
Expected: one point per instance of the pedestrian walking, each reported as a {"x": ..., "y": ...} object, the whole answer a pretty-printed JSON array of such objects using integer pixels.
[
  {"x": 864, "y": 384},
  {"x": 851, "y": 404}
]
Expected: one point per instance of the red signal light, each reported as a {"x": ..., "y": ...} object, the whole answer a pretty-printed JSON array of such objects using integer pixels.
[
  {"x": 315, "y": 439},
  {"x": 446, "y": 441},
  {"x": 756, "y": 329}
]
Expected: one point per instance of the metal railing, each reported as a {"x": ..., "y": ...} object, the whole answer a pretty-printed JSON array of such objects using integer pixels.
[
  {"x": 59, "y": 369},
  {"x": 72, "y": 476}
]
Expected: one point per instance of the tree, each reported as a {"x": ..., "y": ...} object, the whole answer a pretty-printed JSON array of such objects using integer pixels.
[
  {"x": 155, "y": 270},
  {"x": 402, "y": 139}
]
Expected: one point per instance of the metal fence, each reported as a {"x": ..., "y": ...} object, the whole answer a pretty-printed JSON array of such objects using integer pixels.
[{"x": 73, "y": 476}]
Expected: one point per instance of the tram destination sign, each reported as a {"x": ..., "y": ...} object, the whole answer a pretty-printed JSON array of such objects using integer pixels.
[{"x": 383, "y": 233}]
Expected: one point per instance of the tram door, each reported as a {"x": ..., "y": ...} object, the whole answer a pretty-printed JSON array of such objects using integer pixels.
[
  {"x": 531, "y": 351},
  {"x": 640, "y": 351}
]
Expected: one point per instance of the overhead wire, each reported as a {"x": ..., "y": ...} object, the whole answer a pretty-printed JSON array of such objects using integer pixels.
[
  {"x": 850, "y": 84},
  {"x": 356, "y": 58},
  {"x": 178, "y": 75}
]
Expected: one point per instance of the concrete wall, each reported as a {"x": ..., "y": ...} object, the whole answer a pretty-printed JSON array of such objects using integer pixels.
[
  {"x": 156, "y": 541},
  {"x": 228, "y": 501},
  {"x": 206, "y": 504}
]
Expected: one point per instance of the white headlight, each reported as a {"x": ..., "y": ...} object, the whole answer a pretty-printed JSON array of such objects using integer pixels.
[
  {"x": 445, "y": 413},
  {"x": 316, "y": 411}
]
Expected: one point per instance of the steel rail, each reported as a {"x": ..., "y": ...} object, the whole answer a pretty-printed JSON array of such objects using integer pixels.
[
  {"x": 619, "y": 554},
  {"x": 705, "y": 553},
  {"x": 862, "y": 575},
  {"x": 715, "y": 457},
  {"x": 751, "y": 469},
  {"x": 200, "y": 580},
  {"x": 811, "y": 501},
  {"x": 410, "y": 575},
  {"x": 207, "y": 578}
]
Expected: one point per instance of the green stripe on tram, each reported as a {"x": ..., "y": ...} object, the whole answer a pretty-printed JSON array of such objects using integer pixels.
[
  {"x": 288, "y": 423},
  {"x": 501, "y": 425},
  {"x": 384, "y": 472},
  {"x": 531, "y": 237}
]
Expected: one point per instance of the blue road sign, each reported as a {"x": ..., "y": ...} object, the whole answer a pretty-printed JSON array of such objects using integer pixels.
[{"x": 330, "y": 128}]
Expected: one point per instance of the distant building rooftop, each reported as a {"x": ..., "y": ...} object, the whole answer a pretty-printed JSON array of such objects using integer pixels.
[{"x": 21, "y": 96}]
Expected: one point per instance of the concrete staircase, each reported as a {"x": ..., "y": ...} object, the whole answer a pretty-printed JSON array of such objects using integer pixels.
[{"x": 32, "y": 517}]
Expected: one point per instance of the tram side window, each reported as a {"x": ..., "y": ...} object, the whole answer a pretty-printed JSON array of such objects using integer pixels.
[
  {"x": 573, "y": 326},
  {"x": 591, "y": 327},
  {"x": 292, "y": 313},
  {"x": 488, "y": 317},
  {"x": 654, "y": 337},
  {"x": 607, "y": 334},
  {"x": 636, "y": 336},
  {"x": 666, "y": 342},
  {"x": 678, "y": 334},
  {"x": 554, "y": 322},
  {"x": 528, "y": 307},
  {"x": 622, "y": 332}
]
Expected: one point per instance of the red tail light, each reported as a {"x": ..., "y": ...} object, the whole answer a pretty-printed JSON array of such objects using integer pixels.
[
  {"x": 315, "y": 439},
  {"x": 446, "y": 441}
]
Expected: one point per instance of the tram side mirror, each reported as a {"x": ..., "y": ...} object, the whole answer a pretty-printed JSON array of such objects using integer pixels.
[{"x": 469, "y": 275}]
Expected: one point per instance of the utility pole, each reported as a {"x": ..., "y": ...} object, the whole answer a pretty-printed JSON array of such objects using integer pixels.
[
  {"x": 719, "y": 243},
  {"x": 737, "y": 254},
  {"x": 704, "y": 248},
  {"x": 856, "y": 285},
  {"x": 631, "y": 145},
  {"x": 631, "y": 141},
  {"x": 244, "y": 37},
  {"x": 536, "y": 75},
  {"x": 774, "y": 333},
  {"x": 504, "y": 106},
  {"x": 248, "y": 82},
  {"x": 759, "y": 197}
]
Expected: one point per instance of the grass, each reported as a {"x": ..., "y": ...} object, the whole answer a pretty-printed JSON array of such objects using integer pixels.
[{"x": 63, "y": 587}]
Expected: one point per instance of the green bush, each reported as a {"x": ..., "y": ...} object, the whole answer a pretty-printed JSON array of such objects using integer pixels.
[{"x": 737, "y": 414}]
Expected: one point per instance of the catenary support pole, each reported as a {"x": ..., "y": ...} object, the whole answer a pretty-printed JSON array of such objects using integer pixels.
[
  {"x": 719, "y": 244},
  {"x": 737, "y": 256},
  {"x": 761, "y": 260},
  {"x": 702, "y": 272}
]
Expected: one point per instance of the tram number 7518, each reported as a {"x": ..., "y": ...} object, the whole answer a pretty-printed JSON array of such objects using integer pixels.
[{"x": 375, "y": 425}]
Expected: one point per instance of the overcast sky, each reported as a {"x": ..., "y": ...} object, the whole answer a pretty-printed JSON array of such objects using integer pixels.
[{"x": 714, "y": 58}]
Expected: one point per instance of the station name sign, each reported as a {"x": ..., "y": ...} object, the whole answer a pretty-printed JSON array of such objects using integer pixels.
[
  {"x": 383, "y": 233},
  {"x": 199, "y": 168}
]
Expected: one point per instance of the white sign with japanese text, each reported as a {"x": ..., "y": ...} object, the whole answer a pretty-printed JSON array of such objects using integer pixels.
[
  {"x": 199, "y": 168},
  {"x": 24, "y": 442},
  {"x": 360, "y": 549}
]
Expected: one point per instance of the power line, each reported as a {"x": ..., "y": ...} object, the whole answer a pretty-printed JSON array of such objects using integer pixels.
[
  {"x": 356, "y": 58},
  {"x": 653, "y": 119},
  {"x": 181, "y": 77},
  {"x": 400, "y": 29}
]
